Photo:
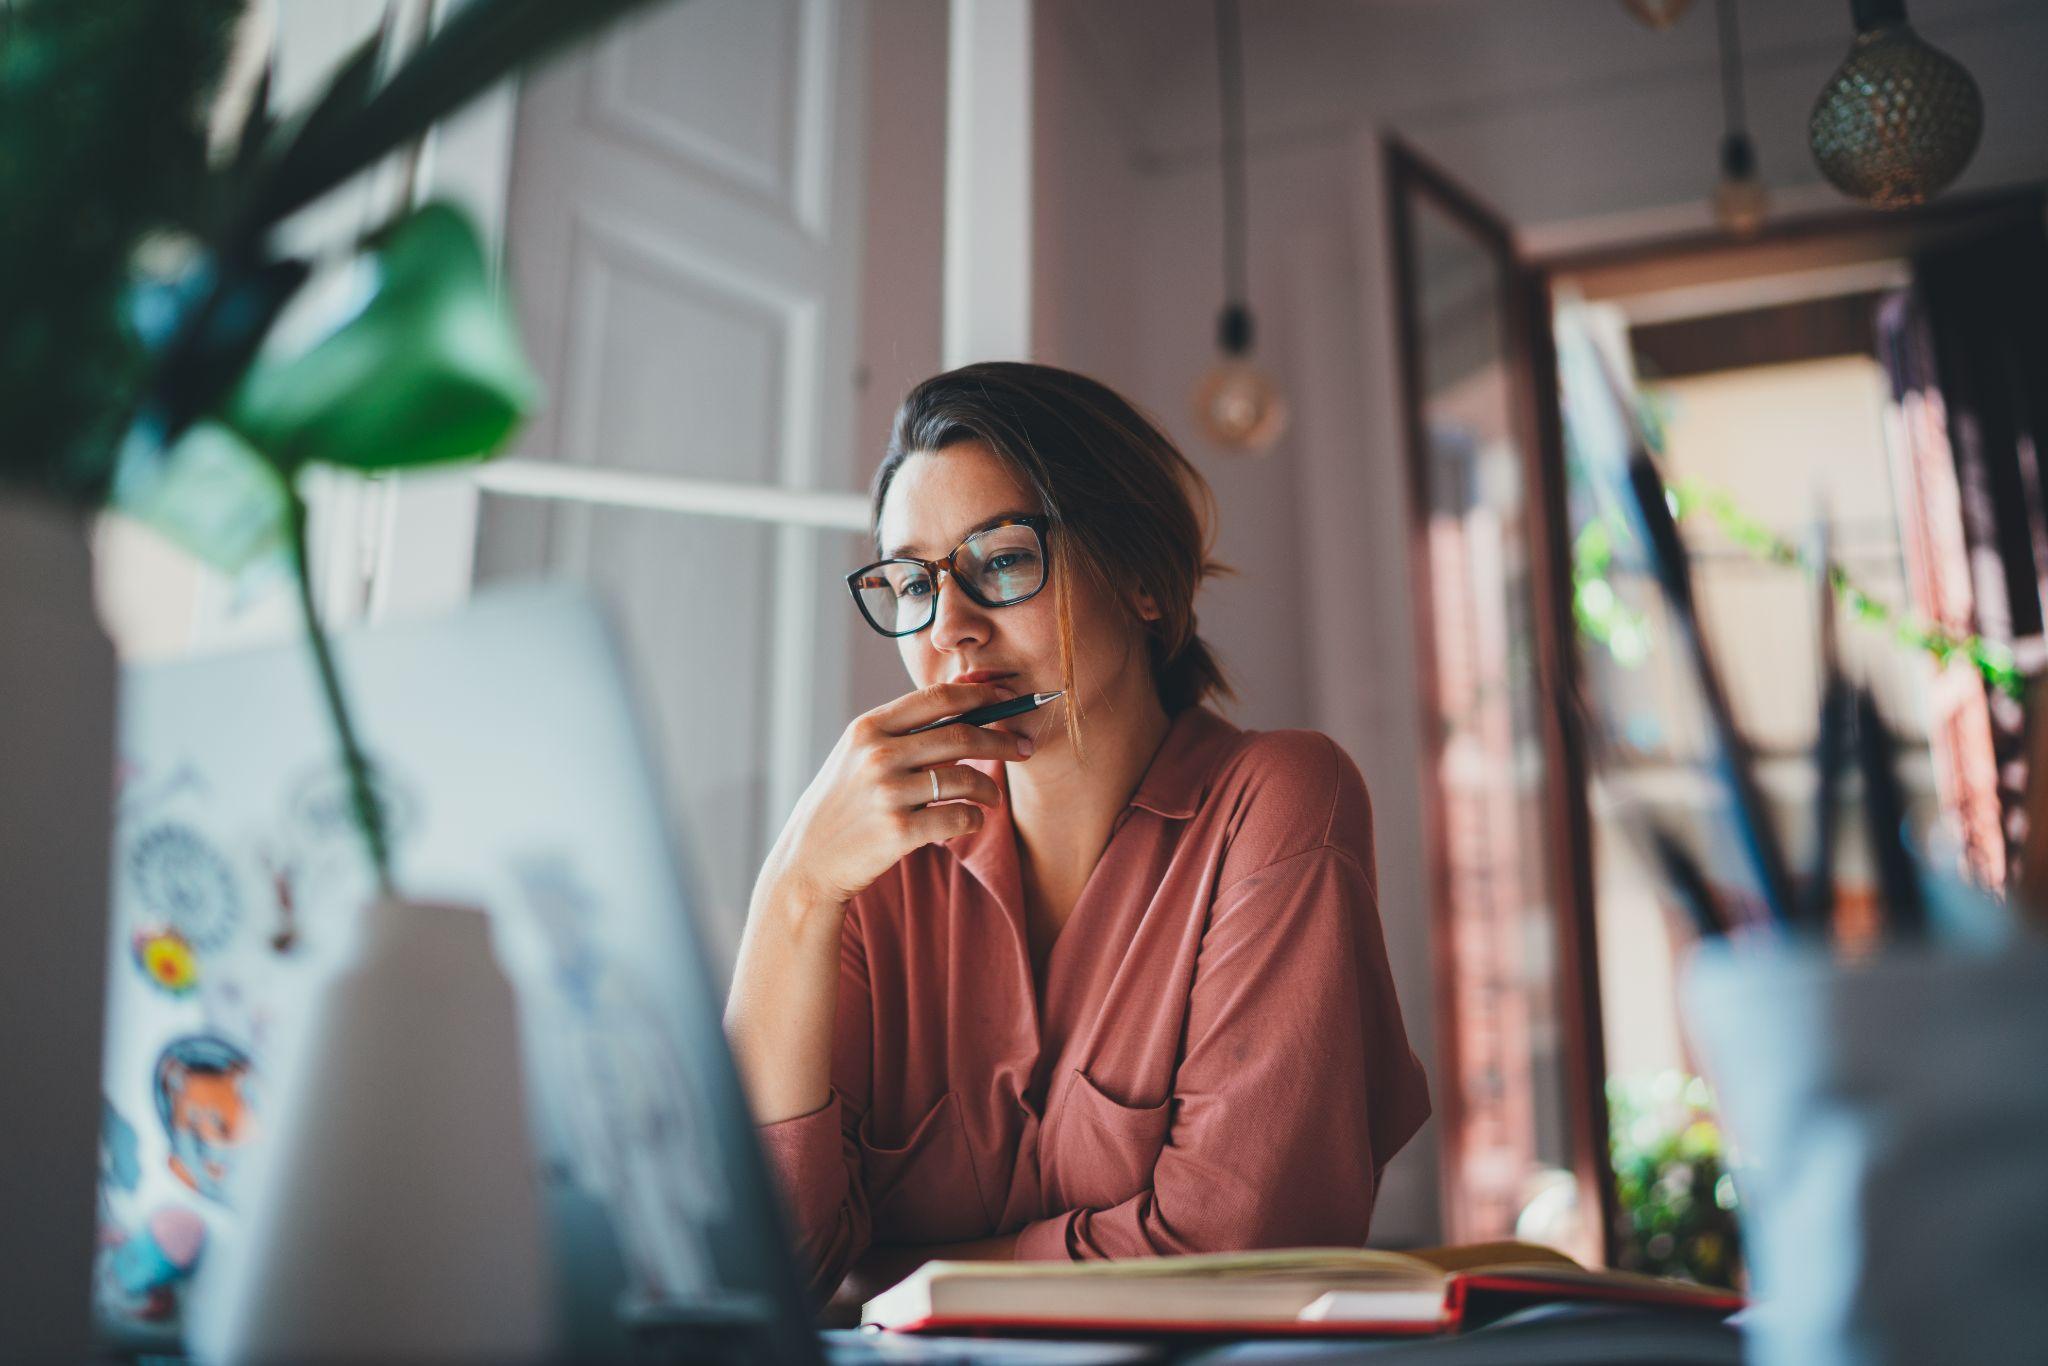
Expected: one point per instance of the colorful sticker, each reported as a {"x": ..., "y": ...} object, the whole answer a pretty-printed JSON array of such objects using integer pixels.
[
  {"x": 186, "y": 883},
  {"x": 166, "y": 960},
  {"x": 143, "y": 1266},
  {"x": 203, "y": 1085},
  {"x": 119, "y": 1165},
  {"x": 284, "y": 899}
]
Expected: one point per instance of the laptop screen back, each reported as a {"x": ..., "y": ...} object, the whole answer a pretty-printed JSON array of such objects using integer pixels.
[{"x": 517, "y": 779}]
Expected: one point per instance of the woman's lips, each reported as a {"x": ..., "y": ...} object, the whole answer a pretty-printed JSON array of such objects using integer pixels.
[{"x": 993, "y": 677}]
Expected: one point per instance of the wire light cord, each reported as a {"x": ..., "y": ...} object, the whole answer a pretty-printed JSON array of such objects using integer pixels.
[{"x": 1230, "y": 84}]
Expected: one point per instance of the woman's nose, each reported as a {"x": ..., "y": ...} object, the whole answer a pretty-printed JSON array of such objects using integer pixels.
[{"x": 958, "y": 619}]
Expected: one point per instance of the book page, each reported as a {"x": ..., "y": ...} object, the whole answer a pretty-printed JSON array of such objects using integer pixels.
[
  {"x": 1478, "y": 1256},
  {"x": 1349, "y": 1262}
]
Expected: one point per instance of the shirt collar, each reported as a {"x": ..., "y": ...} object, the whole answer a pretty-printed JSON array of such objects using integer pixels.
[
  {"x": 1178, "y": 776},
  {"x": 1173, "y": 786}
]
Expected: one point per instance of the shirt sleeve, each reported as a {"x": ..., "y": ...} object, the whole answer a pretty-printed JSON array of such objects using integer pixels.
[
  {"x": 815, "y": 1157},
  {"x": 1296, "y": 1083}
]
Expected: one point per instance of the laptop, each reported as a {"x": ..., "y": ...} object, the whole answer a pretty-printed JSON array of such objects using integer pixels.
[{"x": 517, "y": 776}]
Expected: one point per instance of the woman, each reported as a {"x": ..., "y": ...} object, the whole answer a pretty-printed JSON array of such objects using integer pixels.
[{"x": 1103, "y": 980}]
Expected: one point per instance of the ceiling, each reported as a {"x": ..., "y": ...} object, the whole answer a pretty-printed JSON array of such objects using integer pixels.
[{"x": 1463, "y": 73}]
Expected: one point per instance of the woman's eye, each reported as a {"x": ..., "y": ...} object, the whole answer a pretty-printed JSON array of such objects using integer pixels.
[
  {"x": 916, "y": 588},
  {"x": 1010, "y": 559}
]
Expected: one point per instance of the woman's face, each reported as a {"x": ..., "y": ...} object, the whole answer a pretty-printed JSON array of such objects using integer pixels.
[{"x": 938, "y": 499}]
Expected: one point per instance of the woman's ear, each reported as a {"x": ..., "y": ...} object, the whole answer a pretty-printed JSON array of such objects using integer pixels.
[{"x": 1145, "y": 607}]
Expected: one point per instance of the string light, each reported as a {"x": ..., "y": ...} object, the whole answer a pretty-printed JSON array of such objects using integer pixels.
[
  {"x": 1236, "y": 403},
  {"x": 1739, "y": 199}
]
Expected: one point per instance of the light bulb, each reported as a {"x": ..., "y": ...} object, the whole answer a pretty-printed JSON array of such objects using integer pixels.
[
  {"x": 1658, "y": 14},
  {"x": 1239, "y": 406},
  {"x": 1740, "y": 205},
  {"x": 1739, "y": 199},
  {"x": 1899, "y": 119}
]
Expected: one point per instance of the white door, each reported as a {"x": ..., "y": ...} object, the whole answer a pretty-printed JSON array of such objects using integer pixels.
[{"x": 683, "y": 240}]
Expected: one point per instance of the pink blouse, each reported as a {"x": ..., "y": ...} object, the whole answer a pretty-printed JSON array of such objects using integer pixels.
[{"x": 1218, "y": 1063}]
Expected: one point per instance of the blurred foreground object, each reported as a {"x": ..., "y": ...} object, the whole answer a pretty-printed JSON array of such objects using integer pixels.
[
  {"x": 147, "y": 304},
  {"x": 1889, "y": 1116},
  {"x": 409, "y": 1229},
  {"x": 56, "y": 808}
]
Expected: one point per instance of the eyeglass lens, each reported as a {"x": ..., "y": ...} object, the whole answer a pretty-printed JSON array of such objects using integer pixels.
[{"x": 1003, "y": 565}]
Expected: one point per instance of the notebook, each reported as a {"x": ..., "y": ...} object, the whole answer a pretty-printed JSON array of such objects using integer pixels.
[{"x": 1315, "y": 1291}]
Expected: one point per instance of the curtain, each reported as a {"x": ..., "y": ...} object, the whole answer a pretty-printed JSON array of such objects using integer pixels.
[{"x": 1966, "y": 347}]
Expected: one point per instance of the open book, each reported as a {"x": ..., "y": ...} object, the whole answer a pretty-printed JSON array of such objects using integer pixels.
[{"x": 1318, "y": 1290}]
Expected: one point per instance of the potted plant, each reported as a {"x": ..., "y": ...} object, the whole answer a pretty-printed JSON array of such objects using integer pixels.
[{"x": 159, "y": 354}]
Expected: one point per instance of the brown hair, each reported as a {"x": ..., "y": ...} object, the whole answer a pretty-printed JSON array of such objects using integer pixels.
[{"x": 1126, "y": 507}]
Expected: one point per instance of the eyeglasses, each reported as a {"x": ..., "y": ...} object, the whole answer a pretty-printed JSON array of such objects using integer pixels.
[{"x": 998, "y": 566}]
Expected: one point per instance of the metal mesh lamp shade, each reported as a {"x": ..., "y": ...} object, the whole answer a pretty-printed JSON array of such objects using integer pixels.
[{"x": 1899, "y": 119}]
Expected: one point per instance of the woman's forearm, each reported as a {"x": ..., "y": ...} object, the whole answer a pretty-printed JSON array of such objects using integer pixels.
[{"x": 779, "y": 1014}]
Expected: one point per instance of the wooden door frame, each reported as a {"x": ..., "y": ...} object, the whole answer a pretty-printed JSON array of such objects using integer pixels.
[
  {"x": 1527, "y": 348},
  {"x": 1837, "y": 238},
  {"x": 1834, "y": 238}
]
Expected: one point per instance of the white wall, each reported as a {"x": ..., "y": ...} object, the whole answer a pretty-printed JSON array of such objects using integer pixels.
[
  {"x": 1315, "y": 627},
  {"x": 1084, "y": 302},
  {"x": 902, "y": 266}
]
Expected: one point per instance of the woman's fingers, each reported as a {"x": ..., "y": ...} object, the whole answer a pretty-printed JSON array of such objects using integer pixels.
[
  {"x": 956, "y": 783},
  {"x": 948, "y": 744},
  {"x": 935, "y": 703},
  {"x": 930, "y": 824}
]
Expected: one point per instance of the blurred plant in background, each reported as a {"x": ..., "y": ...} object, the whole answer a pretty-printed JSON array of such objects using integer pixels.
[
  {"x": 1676, "y": 1198},
  {"x": 1604, "y": 615}
]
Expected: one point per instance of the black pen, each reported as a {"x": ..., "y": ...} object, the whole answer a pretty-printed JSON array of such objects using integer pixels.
[
  {"x": 1668, "y": 559},
  {"x": 1816, "y": 901},
  {"x": 994, "y": 711},
  {"x": 1690, "y": 884},
  {"x": 1903, "y": 914}
]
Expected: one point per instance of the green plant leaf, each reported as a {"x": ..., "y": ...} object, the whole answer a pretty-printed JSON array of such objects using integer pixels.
[
  {"x": 347, "y": 90},
  {"x": 479, "y": 45},
  {"x": 428, "y": 371},
  {"x": 100, "y": 143},
  {"x": 258, "y": 125}
]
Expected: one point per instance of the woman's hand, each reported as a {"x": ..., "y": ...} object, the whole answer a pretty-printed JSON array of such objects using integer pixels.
[{"x": 872, "y": 801}]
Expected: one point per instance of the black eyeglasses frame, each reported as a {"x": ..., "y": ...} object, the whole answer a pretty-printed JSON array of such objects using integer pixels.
[{"x": 1036, "y": 521}]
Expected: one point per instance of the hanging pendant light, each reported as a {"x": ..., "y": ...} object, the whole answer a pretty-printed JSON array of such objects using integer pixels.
[
  {"x": 1658, "y": 14},
  {"x": 1237, "y": 404},
  {"x": 1899, "y": 119},
  {"x": 1739, "y": 199}
]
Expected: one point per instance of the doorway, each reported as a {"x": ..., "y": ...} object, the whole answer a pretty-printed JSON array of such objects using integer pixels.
[{"x": 1790, "y": 372}]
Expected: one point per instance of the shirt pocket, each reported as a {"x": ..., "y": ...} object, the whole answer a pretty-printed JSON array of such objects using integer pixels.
[
  {"x": 1105, "y": 1150},
  {"x": 924, "y": 1188}
]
